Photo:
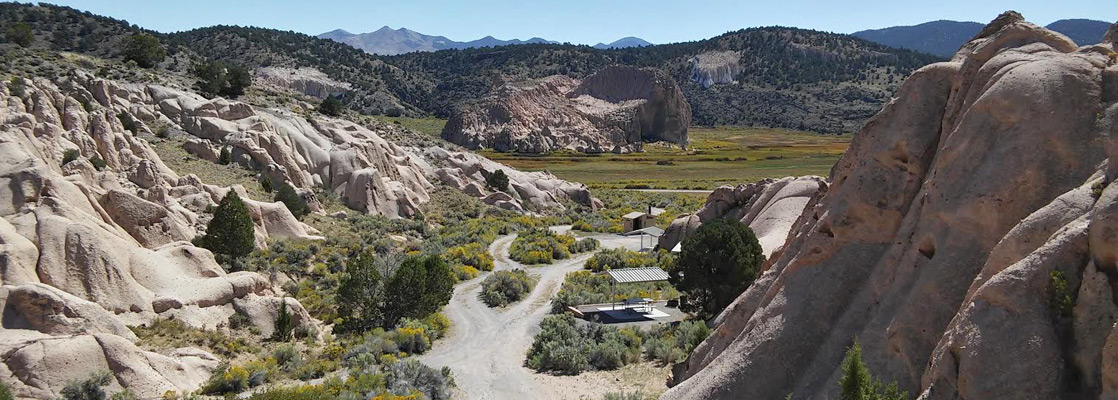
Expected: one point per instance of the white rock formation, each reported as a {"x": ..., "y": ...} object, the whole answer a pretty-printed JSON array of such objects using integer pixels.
[
  {"x": 527, "y": 190},
  {"x": 85, "y": 252},
  {"x": 715, "y": 68},
  {"x": 308, "y": 81},
  {"x": 614, "y": 110},
  {"x": 769, "y": 207},
  {"x": 936, "y": 242}
]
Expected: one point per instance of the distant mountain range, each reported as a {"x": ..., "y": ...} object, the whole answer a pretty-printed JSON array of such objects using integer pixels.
[
  {"x": 624, "y": 43},
  {"x": 943, "y": 38},
  {"x": 388, "y": 42}
]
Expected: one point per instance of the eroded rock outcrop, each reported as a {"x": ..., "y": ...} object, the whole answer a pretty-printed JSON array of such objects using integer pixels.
[
  {"x": 308, "y": 81},
  {"x": 614, "y": 110},
  {"x": 938, "y": 240},
  {"x": 769, "y": 207},
  {"x": 715, "y": 68},
  {"x": 88, "y": 250},
  {"x": 527, "y": 191}
]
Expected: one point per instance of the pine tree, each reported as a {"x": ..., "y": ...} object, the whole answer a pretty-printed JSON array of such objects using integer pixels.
[
  {"x": 292, "y": 200},
  {"x": 226, "y": 157},
  {"x": 856, "y": 382},
  {"x": 283, "y": 325},
  {"x": 230, "y": 232},
  {"x": 360, "y": 295}
]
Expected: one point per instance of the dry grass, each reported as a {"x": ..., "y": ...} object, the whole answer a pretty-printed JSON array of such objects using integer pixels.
[{"x": 183, "y": 163}]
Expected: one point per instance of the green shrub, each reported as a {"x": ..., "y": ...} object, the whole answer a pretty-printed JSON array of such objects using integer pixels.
[
  {"x": 163, "y": 131},
  {"x": 20, "y": 33},
  {"x": 97, "y": 162},
  {"x": 565, "y": 346},
  {"x": 858, "y": 384},
  {"x": 70, "y": 155},
  {"x": 585, "y": 287},
  {"x": 225, "y": 157},
  {"x": 620, "y": 258},
  {"x": 17, "y": 87},
  {"x": 411, "y": 336},
  {"x": 231, "y": 232},
  {"x": 294, "y": 202},
  {"x": 1060, "y": 301},
  {"x": 541, "y": 246},
  {"x": 88, "y": 389},
  {"x": 330, "y": 106},
  {"x": 410, "y": 375},
  {"x": 504, "y": 287},
  {"x": 718, "y": 262},
  {"x": 127, "y": 122},
  {"x": 497, "y": 180},
  {"x": 266, "y": 184},
  {"x": 283, "y": 325},
  {"x": 472, "y": 254},
  {"x": 218, "y": 78},
  {"x": 363, "y": 293},
  {"x": 144, "y": 50},
  {"x": 420, "y": 286},
  {"x": 5, "y": 393}
]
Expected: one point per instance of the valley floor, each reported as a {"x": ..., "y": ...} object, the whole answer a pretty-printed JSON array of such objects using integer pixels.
[{"x": 485, "y": 348}]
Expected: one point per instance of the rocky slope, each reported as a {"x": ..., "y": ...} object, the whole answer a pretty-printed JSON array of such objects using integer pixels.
[
  {"x": 944, "y": 240},
  {"x": 615, "y": 110},
  {"x": 87, "y": 251},
  {"x": 769, "y": 207}
]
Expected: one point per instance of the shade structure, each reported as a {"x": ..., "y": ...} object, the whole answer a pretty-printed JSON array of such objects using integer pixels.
[{"x": 636, "y": 275}]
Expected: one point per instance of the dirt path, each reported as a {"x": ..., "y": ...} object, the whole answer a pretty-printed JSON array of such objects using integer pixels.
[{"x": 486, "y": 347}]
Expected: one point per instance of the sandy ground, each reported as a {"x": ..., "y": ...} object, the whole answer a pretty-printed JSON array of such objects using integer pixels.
[{"x": 486, "y": 347}]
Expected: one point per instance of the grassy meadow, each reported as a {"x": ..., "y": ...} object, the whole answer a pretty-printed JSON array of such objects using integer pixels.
[{"x": 717, "y": 156}]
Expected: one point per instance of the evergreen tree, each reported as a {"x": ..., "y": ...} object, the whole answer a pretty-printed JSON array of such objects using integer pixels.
[
  {"x": 716, "y": 265},
  {"x": 230, "y": 233},
  {"x": 283, "y": 324},
  {"x": 330, "y": 106},
  {"x": 420, "y": 286},
  {"x": 225, "y": 157},
  {"x": 497, "y": 180},
  {"x": 360, "y": 295},
  {"x": 292, "y": 200},
  {"x": 144, "y": 49},
  {"x": 20, "y": 33},
  {"x": 858, "y": 384},
  {"x": 856, "y": 381}
]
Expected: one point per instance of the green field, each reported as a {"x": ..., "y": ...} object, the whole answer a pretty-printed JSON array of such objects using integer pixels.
[{"x": 717, "y": 156}]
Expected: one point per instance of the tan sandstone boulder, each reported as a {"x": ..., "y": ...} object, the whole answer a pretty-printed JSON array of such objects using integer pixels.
[{"x": 936, "y": 241}]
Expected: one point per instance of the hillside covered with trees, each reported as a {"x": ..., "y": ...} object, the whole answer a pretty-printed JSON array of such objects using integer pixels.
[{"x": 786, "y": 77}]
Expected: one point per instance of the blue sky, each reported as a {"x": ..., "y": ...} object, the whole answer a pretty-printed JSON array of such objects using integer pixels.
[{"x": 577, "y": 21}]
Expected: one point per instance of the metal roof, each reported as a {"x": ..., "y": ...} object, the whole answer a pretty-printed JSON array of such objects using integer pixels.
[
  {"x": 656, "y": 211},
  {"x": 633, "y": 215},
  {"x": 634, "y": 275}
]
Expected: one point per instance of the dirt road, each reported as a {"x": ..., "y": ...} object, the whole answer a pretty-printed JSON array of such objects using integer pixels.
[{"x": 486, "y": 347}]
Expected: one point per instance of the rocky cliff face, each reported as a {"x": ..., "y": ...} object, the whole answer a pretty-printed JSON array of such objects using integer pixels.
[
  {"x": 527, "y": 191},
  {"x": 942, "y": 239},
  {"x": 715, "y": 68},
  {"x": 85, "y": 251},
  {"x": 615, "y": 110},
  {"x": 308, "y": 81},
  {"x": 769, "y": 207}
]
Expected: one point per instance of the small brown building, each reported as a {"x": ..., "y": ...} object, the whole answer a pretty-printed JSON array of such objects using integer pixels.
[{"x": 637, "y": 220}]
